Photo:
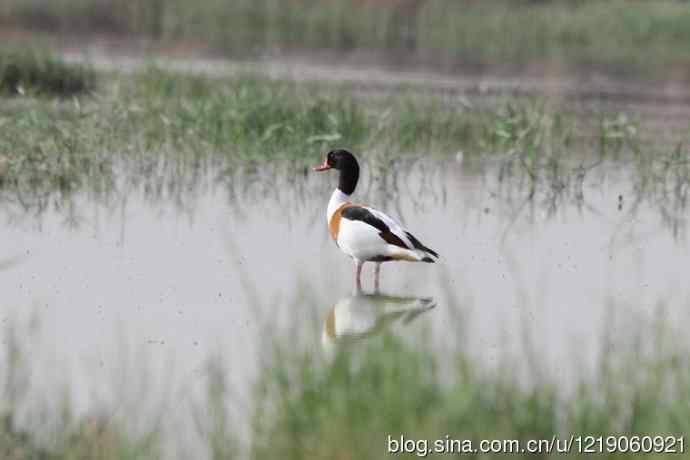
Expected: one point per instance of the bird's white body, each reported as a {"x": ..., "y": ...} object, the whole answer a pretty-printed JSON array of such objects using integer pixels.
[
  {"x": 362, "y": 241},
  {"x": 338, "y": 199}
]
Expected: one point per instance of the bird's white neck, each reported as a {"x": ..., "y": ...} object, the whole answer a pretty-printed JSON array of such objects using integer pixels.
[{"x": 338, "y": 198}]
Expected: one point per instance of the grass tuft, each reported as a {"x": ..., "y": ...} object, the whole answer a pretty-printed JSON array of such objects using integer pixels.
[{"x": 29, "y": 71}]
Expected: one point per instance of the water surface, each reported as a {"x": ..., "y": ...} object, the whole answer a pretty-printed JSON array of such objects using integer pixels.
[{"x": 162, "y": 283}]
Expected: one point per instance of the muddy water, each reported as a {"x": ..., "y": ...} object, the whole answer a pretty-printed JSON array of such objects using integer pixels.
[{"x": 146, "y": 284}]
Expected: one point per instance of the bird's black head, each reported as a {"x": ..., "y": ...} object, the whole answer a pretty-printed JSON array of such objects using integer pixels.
[{"x": 346, "y": 163}]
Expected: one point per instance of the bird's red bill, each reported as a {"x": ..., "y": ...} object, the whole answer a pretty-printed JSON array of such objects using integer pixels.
[{"x": 323, "y": 167}]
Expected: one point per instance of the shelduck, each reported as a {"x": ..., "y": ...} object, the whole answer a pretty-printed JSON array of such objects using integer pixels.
[{"x": 363, "y": 233}]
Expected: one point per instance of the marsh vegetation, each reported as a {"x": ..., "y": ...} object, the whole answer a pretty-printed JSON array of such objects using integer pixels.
[
  {"x": 618, "y": 36},
  {"x": 165, "y": 130},
  {"x": 152, "y": 201},
  {"x": 26, "y": 71},
  {"x": 318, "y": 401}
]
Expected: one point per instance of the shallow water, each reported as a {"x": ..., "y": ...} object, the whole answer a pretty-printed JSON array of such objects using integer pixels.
[{"x": 139, "y": 283}]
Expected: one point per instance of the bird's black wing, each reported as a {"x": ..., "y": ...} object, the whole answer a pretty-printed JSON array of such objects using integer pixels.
[{"x": 363, "y": 215}]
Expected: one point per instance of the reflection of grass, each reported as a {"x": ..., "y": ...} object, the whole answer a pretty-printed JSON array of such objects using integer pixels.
[
  {"x": 613, "y": 33},
  {"x": 31, "y": 71}
]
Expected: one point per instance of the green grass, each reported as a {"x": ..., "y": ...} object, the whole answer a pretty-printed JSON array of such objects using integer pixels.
[
  {"x": 616, "y": 35},
  {"x": 29, "y": 71},
  {"x": 314, "y": 403},
  {"x": 345, "y": 407},
  {"x": 161, "y": 129},
  {"x": 166, "y": 132}
]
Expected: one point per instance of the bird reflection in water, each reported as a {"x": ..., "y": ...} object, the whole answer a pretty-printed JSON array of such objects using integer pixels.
[{"x": 363, "y": 315}]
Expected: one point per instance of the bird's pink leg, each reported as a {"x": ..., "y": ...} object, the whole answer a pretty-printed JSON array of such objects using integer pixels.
[
  {"x": 359, "y": 274},
  {"x": 377, "y": 272}
]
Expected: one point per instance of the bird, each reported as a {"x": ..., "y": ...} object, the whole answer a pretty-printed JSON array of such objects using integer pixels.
[
  {"x": 364, "y": 233},
  {"x": 363, "y": 315}
]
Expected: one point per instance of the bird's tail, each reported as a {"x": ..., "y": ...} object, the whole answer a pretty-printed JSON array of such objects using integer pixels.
[
  {"x": 428, "y": 252},
  {"x": 411, "y": 255}
]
